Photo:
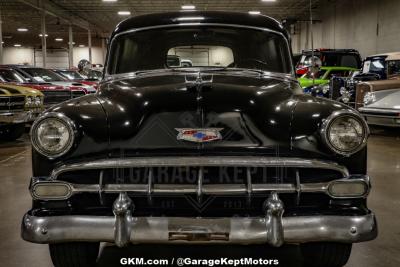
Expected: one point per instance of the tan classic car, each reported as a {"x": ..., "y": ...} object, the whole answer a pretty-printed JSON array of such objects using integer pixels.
[{"x": 18, "y": 105}]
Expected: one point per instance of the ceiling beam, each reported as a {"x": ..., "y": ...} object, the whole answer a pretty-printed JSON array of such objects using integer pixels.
[{"x": 57, "y": 11}]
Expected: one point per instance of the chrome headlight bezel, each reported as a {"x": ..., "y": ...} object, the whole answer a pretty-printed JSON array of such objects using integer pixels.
[
  {"x": 328, "y": 122},
  {"x": 68, "y": 123},
  {"x": 369, "y": 98},
  {"x": 38, "y": 101},
  {"x": 29, "y": 100}
]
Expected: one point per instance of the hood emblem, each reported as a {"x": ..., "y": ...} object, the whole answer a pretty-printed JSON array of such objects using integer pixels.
[{"x": 199, "y": 135}]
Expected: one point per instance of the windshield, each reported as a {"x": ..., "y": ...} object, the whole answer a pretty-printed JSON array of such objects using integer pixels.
[
  {"x": 72, "y": 75},
  {"x": 43, "y": 75},
  {"x": 331, "y": 59},
  {"x": 376, "y": 65},
  {"x": 10, "y": 76},
  {"x": 205, "y": 46}
]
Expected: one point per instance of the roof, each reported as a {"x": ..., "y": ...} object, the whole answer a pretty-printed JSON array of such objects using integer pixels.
[
  {"x": 218, "y": 17},
  {"x": 389, "y": 56}
]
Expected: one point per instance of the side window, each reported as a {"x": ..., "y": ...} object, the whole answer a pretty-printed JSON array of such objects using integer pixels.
[
  {"x": 349, "y": 61},
  {"x": 393, "y": 67}
]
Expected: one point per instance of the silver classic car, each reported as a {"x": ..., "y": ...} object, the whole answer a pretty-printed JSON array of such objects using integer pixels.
[{"x": 382, "y": 106}]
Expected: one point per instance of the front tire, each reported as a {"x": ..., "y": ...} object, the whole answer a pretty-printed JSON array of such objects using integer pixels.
[
  {"x": 325, "y": 254},
  {"x": 77, "y": 254}
]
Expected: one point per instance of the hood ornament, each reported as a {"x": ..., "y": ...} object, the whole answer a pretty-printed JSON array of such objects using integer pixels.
[{"x": 199, "y": 135}]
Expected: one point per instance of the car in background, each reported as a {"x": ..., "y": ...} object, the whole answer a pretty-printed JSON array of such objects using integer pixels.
[
  {"x": 41, "y": 75},
  {"x": 53, "y": 94},
  {"x": 18, "y": 105},
  {"x": 343, "y": 89},
  {"x": 329, "y": 57},
  {"x": 75, "y": 76},
  {"x": 386, "y": 65},
  {"x": 382, "y": 103},
  {"x": 318, "y": 82}
]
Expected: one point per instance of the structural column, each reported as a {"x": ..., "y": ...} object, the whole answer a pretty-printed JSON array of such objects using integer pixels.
[
  {"x": 90, "y": 45},
  {"x": 44, "y": 45},
  {"x": 70, "y": 47},
  {"x": 103, "y": 49},
  {"x": 1, "y": 41}
]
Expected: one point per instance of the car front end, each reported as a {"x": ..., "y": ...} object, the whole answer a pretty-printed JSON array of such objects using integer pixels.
[
  {"x": 233, "y": 152},
  {"x": 382, "y": 108}
]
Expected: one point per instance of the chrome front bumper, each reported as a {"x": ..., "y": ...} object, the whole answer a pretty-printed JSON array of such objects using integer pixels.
[
  {"x": 272, "y": 229},
  {"x": 381, "y": 117},
  {"x": 18, "y": 117},
  {"x": 15, "y": 117}
]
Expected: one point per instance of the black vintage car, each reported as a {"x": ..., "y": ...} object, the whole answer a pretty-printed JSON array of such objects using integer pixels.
[{"x": 228, "y": 150}]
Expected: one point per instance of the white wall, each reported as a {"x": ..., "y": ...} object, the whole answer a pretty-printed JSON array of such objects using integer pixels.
[
  {"x": 368, "y": 26},
  {"x": 13, "y": 55}
]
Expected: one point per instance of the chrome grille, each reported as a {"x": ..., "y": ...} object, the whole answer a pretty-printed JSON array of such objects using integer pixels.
[
  {"x": 12, "y": 103},
  {"x": 56, "y": 96},
  {"x": 77, "y": 93}
]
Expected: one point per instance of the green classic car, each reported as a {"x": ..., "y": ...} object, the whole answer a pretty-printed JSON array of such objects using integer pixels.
[
  {"x": 18, "y": 105},
  {"x": 324, "y": 75}
]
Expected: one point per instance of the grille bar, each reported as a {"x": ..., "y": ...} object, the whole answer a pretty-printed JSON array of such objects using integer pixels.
[
  {"x": 208, "y": 189},
  {"x": 200, "y": 161}
]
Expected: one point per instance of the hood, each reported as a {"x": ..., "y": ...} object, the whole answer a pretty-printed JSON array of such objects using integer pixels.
[
  {"x": 387, "y": 99},
  {"x": 77, "y": 86},
  {"x": 19, "y": 90},
  {"x": 251, "y": 112}
]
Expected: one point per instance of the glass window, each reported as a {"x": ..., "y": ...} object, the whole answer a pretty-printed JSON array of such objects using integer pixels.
[
  {"x": 394, "y": 67},
  {"x": 200, "y": 56},
  {"x": 200, "y": 46},
  {"x": 43, "y": 75},
  {"x": 10, "y": 76},
  {"x": 72, "y": 75}
]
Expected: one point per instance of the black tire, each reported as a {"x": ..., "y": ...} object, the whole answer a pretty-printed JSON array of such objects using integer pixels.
[
  {"x": 77, "y": 254},
  {"x": 325, "y": 254},
  {"x": 12, "y": 132}
]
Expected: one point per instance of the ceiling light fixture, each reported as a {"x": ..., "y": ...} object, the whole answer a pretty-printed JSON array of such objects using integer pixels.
[
  {"x": 254, "y": 12},
  {"x": 268, "y": 0},
  {"x": 81, "y": 45},
  {"x": 110, "y": 0},
  {"x": 124, "y": 13},
  {"x": 188, "y": 7},
  {"x": 59, "y": 39},
  {"x": 22, "y": 29},
  {"x": 17, "y": 45},
  {"x": 41, "y": 35}
]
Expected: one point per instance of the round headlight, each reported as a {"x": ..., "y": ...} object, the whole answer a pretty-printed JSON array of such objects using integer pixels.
[
  {"x": 343, "y": 90},
  {"x": 28, "y": 101},
  {"x": 53, "y": 135},
  {"x": 345, "y": 133},
  {"x": 325, "y": 89},
  {"x": 369, "y": 98},
  {"x": 38, "y": 101}
]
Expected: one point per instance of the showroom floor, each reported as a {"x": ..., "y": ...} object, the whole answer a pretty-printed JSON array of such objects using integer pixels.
[{"x": 384, "y": 168}]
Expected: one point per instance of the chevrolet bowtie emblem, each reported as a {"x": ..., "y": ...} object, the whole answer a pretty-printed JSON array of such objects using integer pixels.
[{"x": 199, "y": 135}]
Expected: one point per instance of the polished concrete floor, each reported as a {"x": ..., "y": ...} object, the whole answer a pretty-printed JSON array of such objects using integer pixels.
[{"x": 384, "y": 168}]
